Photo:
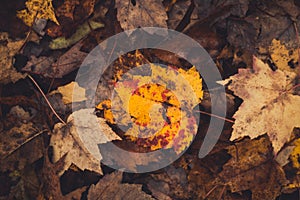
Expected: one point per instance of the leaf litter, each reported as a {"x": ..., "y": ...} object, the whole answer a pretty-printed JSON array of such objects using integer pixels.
[{"x": 266, "y": 166}]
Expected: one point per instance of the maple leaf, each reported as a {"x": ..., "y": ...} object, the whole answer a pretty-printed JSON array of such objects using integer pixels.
[
  {"x": 143, "y": 14},
  {"x": 78, "y": 141},
  {"x": 269, "y": 105},
  {"x": 40, "y": 9},
  {"x": 144, "y": 101}
]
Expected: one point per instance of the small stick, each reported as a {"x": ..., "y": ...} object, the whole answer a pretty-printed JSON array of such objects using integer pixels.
[
  {"x": 47, "y": 101},
  {"x": 216, "y": 116},
  {"x": 210, "y": 191},
  {"x": 26, "y": 141},
  {"x": 222, "y": 192}
]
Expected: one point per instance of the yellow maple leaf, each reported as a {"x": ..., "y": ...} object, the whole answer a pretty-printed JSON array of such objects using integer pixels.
[
  {"x": 159, "y": 115},
  {"x": 40, "y": 9}
]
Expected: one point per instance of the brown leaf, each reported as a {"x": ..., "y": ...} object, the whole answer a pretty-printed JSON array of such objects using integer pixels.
[
  {"x": 50, "y": 178},
  {"x": 51, "y": 181},
  {"x": 78, "y": 140},
  {"x": 141, "y": 14},
  {"x": 252, "y": 168},
  {"x": 67, "y": 9},
  {"x": 68, "y": 62},
  {"x": 8, "y": 48},
  {"x": 65, "y": 64},
  {"x": 269, "y": 105},
  {"x": 19, "y": 140},
  {"x": 110, "y": 187},
  {"x": 177, "y": 12}
]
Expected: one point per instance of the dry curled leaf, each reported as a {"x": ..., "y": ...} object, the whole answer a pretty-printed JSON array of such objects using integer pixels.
[{"x": 269, "y": 105}]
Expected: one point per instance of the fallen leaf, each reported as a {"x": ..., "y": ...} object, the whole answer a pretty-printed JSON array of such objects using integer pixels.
[
  {"x": 17, "y": 136},
  {"x": 141, "y": 13},
  {"x": 68, "y": 62},
  {"x": 40, "y": 65},
  {"x": 79, "y": 140},
  {"x": 144, "y": 104},
  {"x": 268, "y": 103},
  {"x": 68, "y": 95},
  {"x": 41, "y": 9},
  {"x": 8, "y": 49},
  {"x": 19, "y": 139},
  {"x": 251, "y": 163},
  {"x": 283, "y": 58},
  {"x": 81, "y": 32},
  {"x": 53, "y": 67},
  {"x": 295, "y": 155},
  {"x": 170, "y": 182},
  {"x": 176, "y": 12},
  {"x": 67, "y": 8},
  {"x": 110, "y": 187}
]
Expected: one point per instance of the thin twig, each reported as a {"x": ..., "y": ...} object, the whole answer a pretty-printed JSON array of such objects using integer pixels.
[
  {"x": 216, "y": 116},
  {"x": 222, "y": 192},
  {"x": 26, "y": 141},
  {"x": 46, "y": 99},
  {"x": 210, "y": 191}
]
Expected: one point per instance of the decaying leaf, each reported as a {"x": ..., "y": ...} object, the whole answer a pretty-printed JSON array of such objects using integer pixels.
[
  {"x": 56, "y": 67},
  {"x": 159, "y": 116},
  {"x": 269, "y": 105},
  {"x": 8, "y": 49},
  {"x": 141, "y": 14},
  {"x": 67, "y": 8},
  {"x": 252, "y": 163},
  {"x": 110, "y": 187},
  {"x": 81, "y": 32},
  {"x": 283, "y": 58},
  {"x": 40, "y": 9},
  {"x": 170, "y": 182},
  {"x": 24, "y": 138},
  {"x": 68, "y": 95},
  {"x": 79, "y": 140}
]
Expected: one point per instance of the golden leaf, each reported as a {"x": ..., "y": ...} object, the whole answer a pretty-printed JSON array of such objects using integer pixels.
[
  {"x": 40, "y": 9},
  {"x": 156, "y": 105}
]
